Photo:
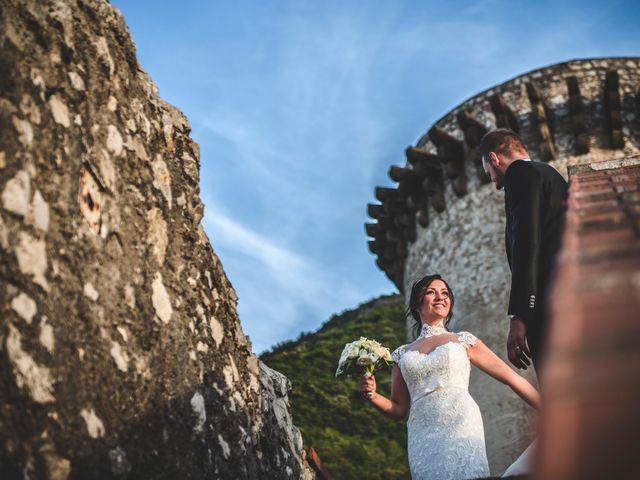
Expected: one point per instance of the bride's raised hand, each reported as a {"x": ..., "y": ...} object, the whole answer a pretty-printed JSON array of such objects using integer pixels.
[
  {"x": 367, "y": 386},
  {"x": 395, "y": 407}
]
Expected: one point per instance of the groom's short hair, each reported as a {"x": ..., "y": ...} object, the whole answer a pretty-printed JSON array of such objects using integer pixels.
[{"x": 503, "y": 141}]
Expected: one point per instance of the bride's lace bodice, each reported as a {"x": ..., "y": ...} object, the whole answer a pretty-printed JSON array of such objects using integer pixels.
[
  {"x": 445, "y": 431},
  {"x": 445, "y": 366}
]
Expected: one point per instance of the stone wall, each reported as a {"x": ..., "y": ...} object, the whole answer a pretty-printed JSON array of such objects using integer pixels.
[
  {"x": 121, "y": 352},
  {"x": 444, "y": 217}
]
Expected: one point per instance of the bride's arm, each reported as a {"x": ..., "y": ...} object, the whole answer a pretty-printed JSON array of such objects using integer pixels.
[
  {"x": 397, "y": 406},
  {"x": 483, "y": 358}
]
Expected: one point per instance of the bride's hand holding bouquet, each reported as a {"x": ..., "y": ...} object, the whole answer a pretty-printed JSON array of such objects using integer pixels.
[{"x": 362, "y": 358}]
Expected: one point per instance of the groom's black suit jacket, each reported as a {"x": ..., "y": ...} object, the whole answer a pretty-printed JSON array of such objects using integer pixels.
[{"x": 535, "y": 203}]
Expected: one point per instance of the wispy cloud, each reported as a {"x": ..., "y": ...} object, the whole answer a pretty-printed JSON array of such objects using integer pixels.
[
  {"x": 254, "y": 154},
  {"x": 280, "y": 287},
  {"x": 234, "y": 236}
]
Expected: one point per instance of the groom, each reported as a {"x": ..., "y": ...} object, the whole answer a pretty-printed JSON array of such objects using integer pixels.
[{"x": 535, "y": 200}]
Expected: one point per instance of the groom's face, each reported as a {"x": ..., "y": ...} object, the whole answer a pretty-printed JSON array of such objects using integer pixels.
[{"x": 492, "y": 170}]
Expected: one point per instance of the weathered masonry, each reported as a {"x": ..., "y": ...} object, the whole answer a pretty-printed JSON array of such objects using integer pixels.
[
  {"x": 445, "y": 216},
  {"x": 121, "y": 351}
]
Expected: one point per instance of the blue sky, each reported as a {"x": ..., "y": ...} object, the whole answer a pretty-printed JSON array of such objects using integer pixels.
[{"x": 300, "y": 107}]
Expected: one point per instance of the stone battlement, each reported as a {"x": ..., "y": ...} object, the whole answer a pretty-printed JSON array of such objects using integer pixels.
[{"x": 581, "y": 111}]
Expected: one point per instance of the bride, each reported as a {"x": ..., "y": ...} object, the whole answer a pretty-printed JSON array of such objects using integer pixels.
[{"x": 430, "y": 380}]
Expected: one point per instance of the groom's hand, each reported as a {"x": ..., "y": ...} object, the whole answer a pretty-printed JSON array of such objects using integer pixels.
[{"x": 517, "y": 349}]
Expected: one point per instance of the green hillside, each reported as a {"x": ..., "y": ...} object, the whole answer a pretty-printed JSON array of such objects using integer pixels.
[{"x": 353, "y": 439}]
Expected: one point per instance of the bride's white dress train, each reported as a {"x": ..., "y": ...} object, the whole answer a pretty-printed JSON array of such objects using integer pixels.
[
  {"x": 524, "y": 463},
  {"x": 445, "y": 431}
]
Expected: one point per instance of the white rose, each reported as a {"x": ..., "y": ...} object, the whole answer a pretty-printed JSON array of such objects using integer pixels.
[
  {"x": 363, "y": 361},
  {"x": 363, "y": 358},
  {"x": 346, "y": 353}
]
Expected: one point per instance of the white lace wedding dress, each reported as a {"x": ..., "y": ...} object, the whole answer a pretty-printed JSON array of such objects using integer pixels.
[{"x": 445, "y": 431}]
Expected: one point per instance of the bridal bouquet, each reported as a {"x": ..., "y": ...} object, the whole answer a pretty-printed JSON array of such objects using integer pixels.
[{"x": 362, "y": 357}]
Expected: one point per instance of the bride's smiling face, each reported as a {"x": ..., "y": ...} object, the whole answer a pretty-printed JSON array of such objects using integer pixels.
[{"x": 435, "y": 303}]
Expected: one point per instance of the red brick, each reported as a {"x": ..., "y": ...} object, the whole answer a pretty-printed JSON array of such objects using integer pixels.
[
  {"x": 631, "y": 197},
  {"x": 600, "y": 196},
  {"x": 627, "y": 187},
  {"x": 590, "y": 426},
  {"x": 584, "y": 205},
  {"x": 588, "y": 176},
  {"x": 593, "y": 185},
  {"x": 605, "y": 221},
  {"x": 630, "y": 178}
]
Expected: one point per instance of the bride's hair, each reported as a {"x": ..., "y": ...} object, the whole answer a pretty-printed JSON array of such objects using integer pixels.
[{"x": 417, "y": 296}]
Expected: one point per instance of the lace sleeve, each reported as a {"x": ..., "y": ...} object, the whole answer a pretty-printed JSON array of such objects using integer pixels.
[
  {"x": 467, "y": 339},
  {"x": 397, "y": 353}
]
